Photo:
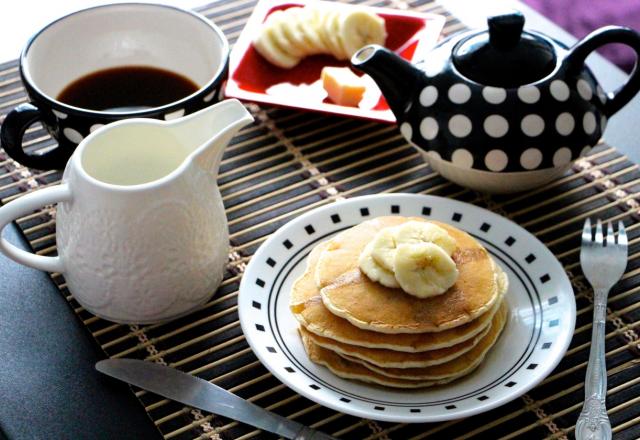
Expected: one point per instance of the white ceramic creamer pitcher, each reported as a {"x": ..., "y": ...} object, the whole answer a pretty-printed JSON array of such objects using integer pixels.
[{"x": 141, "y": 230}]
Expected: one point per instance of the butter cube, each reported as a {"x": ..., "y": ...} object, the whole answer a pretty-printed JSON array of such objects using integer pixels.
[{"x": 343, "y": 86}]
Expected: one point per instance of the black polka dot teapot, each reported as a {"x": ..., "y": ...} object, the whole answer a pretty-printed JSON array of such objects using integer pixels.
[{"x": 501, "y": 110}]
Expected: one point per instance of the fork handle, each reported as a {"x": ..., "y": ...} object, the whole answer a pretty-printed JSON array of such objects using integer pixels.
[{"x": 593, "y": 422}]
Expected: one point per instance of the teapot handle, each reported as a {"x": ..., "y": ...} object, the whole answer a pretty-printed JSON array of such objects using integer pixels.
[
  {"x": 25, "y": 205},
  {"x": 606, "y": 35}
]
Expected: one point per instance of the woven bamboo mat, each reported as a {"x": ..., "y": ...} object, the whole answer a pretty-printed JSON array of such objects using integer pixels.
[{"x": 289, "y": 162}]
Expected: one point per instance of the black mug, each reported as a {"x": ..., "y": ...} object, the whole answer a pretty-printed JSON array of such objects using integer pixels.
[{"x": 107, "y": 37}]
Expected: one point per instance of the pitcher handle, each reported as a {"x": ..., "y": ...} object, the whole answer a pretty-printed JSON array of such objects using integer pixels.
[
  {"x": 25, "y": 205},
  {"x": 601, "y": 37}
]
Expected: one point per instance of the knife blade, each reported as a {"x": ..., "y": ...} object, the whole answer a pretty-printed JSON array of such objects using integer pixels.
[{"x": 198, "y": 393}]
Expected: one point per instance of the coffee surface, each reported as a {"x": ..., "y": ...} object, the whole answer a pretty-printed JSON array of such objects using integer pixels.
[{"x": 127, "y": 88}]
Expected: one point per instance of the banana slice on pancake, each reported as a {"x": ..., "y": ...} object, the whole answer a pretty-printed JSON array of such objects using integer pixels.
[
  {"x": 413, "y": 231},
  {"x": 375, "y": 271},
  {"x": 424, "y": 269}
]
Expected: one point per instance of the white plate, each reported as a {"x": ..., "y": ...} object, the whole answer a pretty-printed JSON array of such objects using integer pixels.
[{"x": 542, "y": 313}]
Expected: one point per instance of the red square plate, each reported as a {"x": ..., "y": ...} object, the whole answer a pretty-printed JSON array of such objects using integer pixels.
[{"x": 252, "y": 78}]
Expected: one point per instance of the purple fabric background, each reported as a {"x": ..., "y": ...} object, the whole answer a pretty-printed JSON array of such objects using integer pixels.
[{"x": 580, "y": 17}]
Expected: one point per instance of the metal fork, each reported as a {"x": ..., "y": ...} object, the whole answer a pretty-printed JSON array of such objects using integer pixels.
[{"x": 603, "y": 261}]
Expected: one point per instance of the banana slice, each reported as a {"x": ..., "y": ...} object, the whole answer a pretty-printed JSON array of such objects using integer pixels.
[
  {"x": 332, "y": 28},
  {"x": 384, "y": 248},
  {"x": 308, "y": 23},
  {"x": 416, "y": 232},
  {"x": 374, "y": 271},
  {"x": 387, "y": 240},
  {"x": 266, "y": 45},
  {"x": 289, "y": 35},
  {"x": 359, "y": 28},
  {"x": 424, "y": 269},
  {"x": 276, "y": 24},
  {"x": 290, "y": 29},
  {"x": 322, "y": 29}
]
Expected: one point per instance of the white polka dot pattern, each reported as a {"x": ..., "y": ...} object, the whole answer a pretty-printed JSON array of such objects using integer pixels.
[
  {"x": 459, "y": 93},
  {"x": 584, "y": 90},
  {"x": 462, "y": 158},
  {"x": 496, "y": 160},
  {"x": 589, "y": 123},
  {"x": 531, "y": 159},
  {"x": 602, "y": 96},
  {"x": 585, "y": 150},
  {"x": 406, "y": 130},
  {"x": 460, "y": 126},
  {"x": 59, "y": 114},
  {"x": 494, "y": 95},
  {"x": 73, "y": 135},
  {"x": 559, "y": 90},
  {"x": 529, "y": 94},
  {"x": 496, "y": 126},
  {"x": 532, "y": 125},
  {"x": 434, "y": 155},
  {"x": 94, "y": 127},
  {"x": 429, "y": 128},
  {"x": 562, "y": 157},
  {"x": 174, "y": 115},
  {"x": 209, "y": 96},
  {"x": 428, "y": 96},
  {"x": 565, "y": 124},
  {"x": 432, "y": 69}
]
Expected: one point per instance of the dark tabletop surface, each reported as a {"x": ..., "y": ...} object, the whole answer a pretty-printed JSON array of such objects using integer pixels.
[{"x": 48, "y": 385}]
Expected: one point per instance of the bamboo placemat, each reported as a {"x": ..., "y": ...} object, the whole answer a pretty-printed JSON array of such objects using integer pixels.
[{"x": 289, "y": 162}]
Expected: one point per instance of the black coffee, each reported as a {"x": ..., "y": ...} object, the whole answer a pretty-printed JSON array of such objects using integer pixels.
[{"x": 127, "y": 88}]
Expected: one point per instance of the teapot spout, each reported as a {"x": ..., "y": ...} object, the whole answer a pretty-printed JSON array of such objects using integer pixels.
[
  {"x": 397, "y": 78},
  {"x": 208, "y": 131}
]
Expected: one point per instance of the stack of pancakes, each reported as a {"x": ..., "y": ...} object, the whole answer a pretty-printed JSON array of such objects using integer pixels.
[{"x": 360, "y": 329}]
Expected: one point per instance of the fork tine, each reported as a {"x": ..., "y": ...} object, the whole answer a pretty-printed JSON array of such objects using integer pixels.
[
  {"x": 611, "y": 238},
  {"x": 586, "y": 231},
  {"x": 622, "y": 235},
  {"x": 598, "y": 238}
]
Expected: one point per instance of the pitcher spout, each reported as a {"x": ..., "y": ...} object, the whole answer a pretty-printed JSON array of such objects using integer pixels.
[
  {"x": 210, "y": 130},
  {"x": 397, "y": 78}
]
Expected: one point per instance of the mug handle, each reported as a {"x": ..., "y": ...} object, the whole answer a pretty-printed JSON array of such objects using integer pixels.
[
  {"x": 25, "y": 205},
  {"x": 610, "y": 34},
  {"x": 13, "y": 128}
]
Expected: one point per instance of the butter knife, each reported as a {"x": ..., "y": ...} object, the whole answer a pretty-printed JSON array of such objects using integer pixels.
[{"x": 198, "y": 393}]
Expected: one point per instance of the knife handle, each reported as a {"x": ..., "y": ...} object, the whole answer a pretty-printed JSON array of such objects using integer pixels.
[{"x": 307, "y": 433}]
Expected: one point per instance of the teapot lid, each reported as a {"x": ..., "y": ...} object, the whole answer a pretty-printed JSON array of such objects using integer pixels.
[{"x": 504, "y": 56}]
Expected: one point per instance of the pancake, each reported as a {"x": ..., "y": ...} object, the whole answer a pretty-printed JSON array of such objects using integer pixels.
[
  {"x": 400, "y": 359},
  {"x": 306, "y": 305},
  {"x": 458, "y": 367},
  {"x": 372, "y": 306},
  {"x": 351, "y": 370},
  {"x": 342, "y": 251}
]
